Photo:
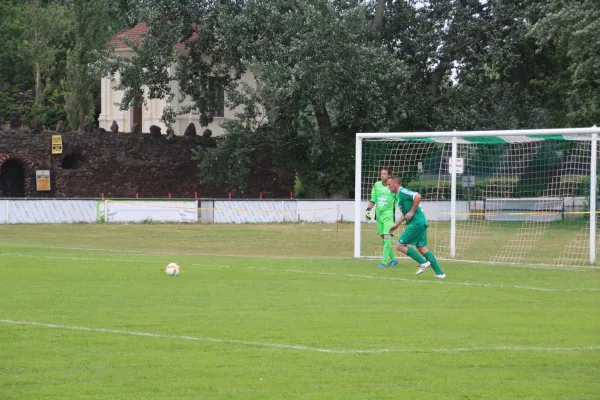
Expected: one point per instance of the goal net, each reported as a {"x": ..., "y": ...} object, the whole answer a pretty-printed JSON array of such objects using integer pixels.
[{"x": 512, "y": 197}]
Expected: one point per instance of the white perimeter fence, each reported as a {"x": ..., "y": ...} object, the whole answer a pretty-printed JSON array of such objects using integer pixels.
[{"x": 41, "y": 211}]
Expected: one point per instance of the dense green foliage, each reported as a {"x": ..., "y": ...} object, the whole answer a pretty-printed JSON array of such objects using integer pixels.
[
  {"x": 47, "y": 47},
  {"x": 326, "y": 69}
]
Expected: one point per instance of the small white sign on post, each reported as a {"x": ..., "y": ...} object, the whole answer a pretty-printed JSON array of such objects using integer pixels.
[
  {"x": 459, "y": 165},
  {"x": 468, "y": 181}
]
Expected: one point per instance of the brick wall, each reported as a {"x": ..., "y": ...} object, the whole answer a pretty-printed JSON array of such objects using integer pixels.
[{"x": 115, "y": 164}]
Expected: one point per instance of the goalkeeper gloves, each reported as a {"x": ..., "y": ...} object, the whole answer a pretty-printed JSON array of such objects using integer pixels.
[{"x": 368, "y": 214}]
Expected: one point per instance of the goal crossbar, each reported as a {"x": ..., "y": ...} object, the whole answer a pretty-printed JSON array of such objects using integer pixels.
[{"x": 513, "y": 132}]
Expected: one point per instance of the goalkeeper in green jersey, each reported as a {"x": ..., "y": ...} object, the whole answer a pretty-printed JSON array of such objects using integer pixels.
[
  {"x": 385, "y": 203},
  {"x": 415, "y": 232}
]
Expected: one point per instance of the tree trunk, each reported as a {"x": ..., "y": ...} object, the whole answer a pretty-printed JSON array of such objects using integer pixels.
[
  {"x": 38, "y": 83},
  {"x": 378, "y": 18},
  {"x": 435, "y": 80},
  {"x": 38, "y": 75},
  {"x": 324, "y": 123},
  {"x": 323, "y": 119}
]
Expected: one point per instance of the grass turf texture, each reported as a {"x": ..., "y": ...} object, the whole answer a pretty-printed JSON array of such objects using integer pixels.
[{"x": 280, "y": 311}]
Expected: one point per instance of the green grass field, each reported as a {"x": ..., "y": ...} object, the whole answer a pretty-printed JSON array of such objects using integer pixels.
[
  {"x": 565, "y": 242},
  {"x": 280, "y": 312}
]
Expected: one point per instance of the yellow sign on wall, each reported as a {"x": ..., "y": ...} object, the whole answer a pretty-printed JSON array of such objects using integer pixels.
[
  {"x": 57, "y": 145},
  {"x": 42, "y": 180}
]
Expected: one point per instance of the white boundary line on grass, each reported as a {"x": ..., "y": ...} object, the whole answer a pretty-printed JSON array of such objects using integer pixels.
[
  {"x": 165, "y": 254},
  {"x": 300, "y": 347},
  {"x": 417, "y": 280},
  {"x": 311, "y": 257},
  {"x": 299, "y": 271}
]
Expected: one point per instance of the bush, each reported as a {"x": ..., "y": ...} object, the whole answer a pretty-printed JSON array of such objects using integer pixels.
[
  {"x": 8, "y": 107},
  {"x": 579, "y": 185},
  {"x": 50, "y": 110},
  {"x": 244, "y": 162},
  {"x": 298, "y": 189},
  {"x": 484, "y": 187}
]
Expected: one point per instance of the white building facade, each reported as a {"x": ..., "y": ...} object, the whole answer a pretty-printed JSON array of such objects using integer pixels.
[{"x": 151, "y": 112}]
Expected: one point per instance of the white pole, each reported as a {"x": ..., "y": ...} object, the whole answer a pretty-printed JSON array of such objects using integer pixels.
[
  {"x": 593, "y": 174},
  {"x": 453, "y": 199},
  {"x": 357, "y": 196},
  {"x": 7, "y": 211}
]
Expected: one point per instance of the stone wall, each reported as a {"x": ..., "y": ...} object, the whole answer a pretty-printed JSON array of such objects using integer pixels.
[{"x": 113, "y": 164}]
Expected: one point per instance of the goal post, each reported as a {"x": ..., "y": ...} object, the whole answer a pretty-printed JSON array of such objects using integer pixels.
[{"x": 505, "y": 196}]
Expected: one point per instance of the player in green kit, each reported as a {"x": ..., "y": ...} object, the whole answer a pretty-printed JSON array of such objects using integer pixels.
[
  {"x": 385, "y": 202},
  {"x": 415, "y": 232}
]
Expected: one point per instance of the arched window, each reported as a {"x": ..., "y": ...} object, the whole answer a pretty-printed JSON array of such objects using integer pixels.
[
  {"x": 71, "y": 161},
  {"x": 12, "y": 179}
]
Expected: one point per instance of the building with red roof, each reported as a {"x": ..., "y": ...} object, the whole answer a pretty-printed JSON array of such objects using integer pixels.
[{"x": 150, "y": 113}]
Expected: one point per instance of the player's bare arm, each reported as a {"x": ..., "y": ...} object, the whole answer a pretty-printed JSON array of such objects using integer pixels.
[
  {"x": 397, "y": 224},
  {"x": 416, "y": 202}
]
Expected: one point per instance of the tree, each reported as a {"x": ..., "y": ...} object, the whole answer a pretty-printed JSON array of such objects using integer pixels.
[
  {"x": 322, "y": 73},
  {"x": 473, "y": 64},
  {"x": 89, "y": 33},
  {"x": 44, "y": 26},
  {"x": 314, "y": 57},
  {"x": 15, "y": 72},
  {"x": 327, "y": 69},
  {"x": 245, "y": 162},
  {"x": 572, "y": 28}
]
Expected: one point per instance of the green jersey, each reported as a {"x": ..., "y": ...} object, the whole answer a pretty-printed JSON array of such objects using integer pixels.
[
  {"x": 405, "y": 203},
  {"x": 385, "y": 201}
]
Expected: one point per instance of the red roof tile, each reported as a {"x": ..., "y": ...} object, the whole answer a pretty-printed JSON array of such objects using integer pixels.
[{"x": 136, "y": 35}]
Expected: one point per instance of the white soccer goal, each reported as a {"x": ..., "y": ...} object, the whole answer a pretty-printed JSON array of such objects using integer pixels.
[{"x": 513, "y": 197}]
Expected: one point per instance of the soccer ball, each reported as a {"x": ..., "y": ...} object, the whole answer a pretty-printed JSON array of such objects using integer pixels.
[{"x": 172, "y": 269}]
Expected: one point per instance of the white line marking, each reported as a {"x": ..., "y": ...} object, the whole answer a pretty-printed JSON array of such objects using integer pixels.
[
  {"x": 445, "y": 282},
  {"x": 517, "y": 265},
  {"x": 69, "y": 248},
  {"x": 127, "y": 260},
  {"x": 300, "y": 347},
  {"x": 308, "y": 256},
  {"x": 299, "y": 271},
  {"x": 151, "y": 253}
]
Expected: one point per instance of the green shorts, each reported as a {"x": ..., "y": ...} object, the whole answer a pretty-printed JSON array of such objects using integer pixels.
[
  {"x": 415, "y": 233},
  {"x": 383, "y": 227}
]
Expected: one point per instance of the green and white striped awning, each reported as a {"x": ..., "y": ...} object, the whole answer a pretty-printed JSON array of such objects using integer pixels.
[{"x": 492, "y": 139}]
